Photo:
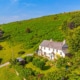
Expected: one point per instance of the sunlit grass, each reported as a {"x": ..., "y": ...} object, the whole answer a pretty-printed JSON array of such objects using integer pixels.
[
  {"x": 7, "y": 73},
  {"x": 10, "y": 52},
  {"x": 33, "y": 67}
]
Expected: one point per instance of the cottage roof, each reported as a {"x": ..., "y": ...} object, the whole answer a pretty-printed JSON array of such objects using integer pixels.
[{"x": 52, "y": 44}]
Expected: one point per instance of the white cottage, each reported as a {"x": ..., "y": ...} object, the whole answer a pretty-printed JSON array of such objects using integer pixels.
[{"x": 51, "y": 49}]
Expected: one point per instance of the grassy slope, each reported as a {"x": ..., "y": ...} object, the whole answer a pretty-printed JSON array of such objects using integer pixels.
[
  {"x": 7, "y": 73},
  {"x": 8, "y": 51},
  {"x": 47, "y": 27}
]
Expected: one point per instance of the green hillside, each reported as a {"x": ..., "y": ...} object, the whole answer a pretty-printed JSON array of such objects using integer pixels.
[
  {"x": 28, "y": 34},
  {"x": 46, "y": 27}
]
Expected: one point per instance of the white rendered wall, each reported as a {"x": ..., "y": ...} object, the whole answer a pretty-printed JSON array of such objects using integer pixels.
[{"x": 49, "y": 51}]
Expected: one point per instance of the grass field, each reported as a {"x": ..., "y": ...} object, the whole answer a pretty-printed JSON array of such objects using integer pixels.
[
  {"x": 9, "y": 52},
  {"x": 7, "y": 73}
]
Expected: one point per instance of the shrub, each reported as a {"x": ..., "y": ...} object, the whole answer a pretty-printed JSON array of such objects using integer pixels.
[
  {"x": 45, "y": 59},
  {"x": 28, "y": 30},
  {"x": 39, "y": 63},
  {"x": 21, "y": 52},
  {"x": 1, "y": 47},
  {"x": 29, "y": 58}
]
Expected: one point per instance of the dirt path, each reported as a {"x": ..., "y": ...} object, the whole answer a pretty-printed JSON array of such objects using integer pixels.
[{"x": 5, "y": 64}]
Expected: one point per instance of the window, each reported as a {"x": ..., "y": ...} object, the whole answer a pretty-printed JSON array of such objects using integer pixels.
[{"x": 60, "y": 53}]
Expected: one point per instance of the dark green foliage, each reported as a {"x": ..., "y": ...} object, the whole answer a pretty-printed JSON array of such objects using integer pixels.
[
  {"x": 1, "y": 60},
  {"x": 56, "y": 75},
  {"x": 1, "y": 47},
  {"x": 29, "y": 59},
  {"x": 71, "y": 29},
  {"x": 21, "y": 52},
  {"x": 71, "y": 23},
  {"x": 61, "y": 62},
  {"x": 74, "y": 77},
  {"x": 76, "y": 20},
  {"x": 5, "y": 37},
  {"x": 64, "y": 27},
  {"x": 74, "y": 40},
  {"x": 1, "y": 33},
  {"x": 26, "y": 73},
  {"x": 13, "y": 62},
  {"x": 28, "y": 30},
  {"x": 39, "y": 63}
]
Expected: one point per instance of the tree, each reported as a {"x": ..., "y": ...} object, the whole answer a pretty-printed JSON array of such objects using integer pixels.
[
  {"x": 21, "y": 52},
  {"x": 74, "y": 77},
  {"x": 60, "y": 74},
  {"x": 74, "y": 40},
  {"x": 39, "y": 63},
  {"x": 62, "y": 62},
  {"x": 71, "y": 24},
  {"x": 29, "y": 58},
  {"x": 1, "y": 33},
  {"x": 28, "y": 30}
]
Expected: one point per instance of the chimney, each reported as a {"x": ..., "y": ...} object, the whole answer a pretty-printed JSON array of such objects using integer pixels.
[{"x": 64, "y": 42}]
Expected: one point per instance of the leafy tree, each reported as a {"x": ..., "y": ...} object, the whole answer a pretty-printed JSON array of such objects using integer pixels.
[
  {"x": 74, "y": 40},
  {"x": 71, "y": 23},
  {"x": 1, "y": 33},
  {"x": 60, "y": 74},
  {"x": 74, "y": 77},
  {"x": 28, "y": 30},
  {"x": 62, "y": 62},
  {"x": 39, "y": 63},
  {"x": 29, "y": 58},
  {"x": 21, "y": 52}
]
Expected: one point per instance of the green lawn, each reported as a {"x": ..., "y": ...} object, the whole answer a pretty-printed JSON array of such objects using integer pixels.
[{"x": 7, "y": 73}]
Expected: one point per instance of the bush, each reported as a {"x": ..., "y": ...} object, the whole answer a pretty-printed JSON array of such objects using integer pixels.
[
  {"x": 21, "y": 52},
  {"x": 39, "y": 63},
  {"x": 29, "y": 58},
  {"x": 1, "y": 47},
  {"x": 28, "y": 30},
  {"x": 45, "y": 59},
  {"x": 1, "y": 60}
]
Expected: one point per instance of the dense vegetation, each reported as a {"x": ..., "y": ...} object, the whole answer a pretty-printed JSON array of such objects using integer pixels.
[{"x": 31, "y": 32}]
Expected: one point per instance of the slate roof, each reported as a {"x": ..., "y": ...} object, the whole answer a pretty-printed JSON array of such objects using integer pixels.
[{"x": 52, "y": 44}]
